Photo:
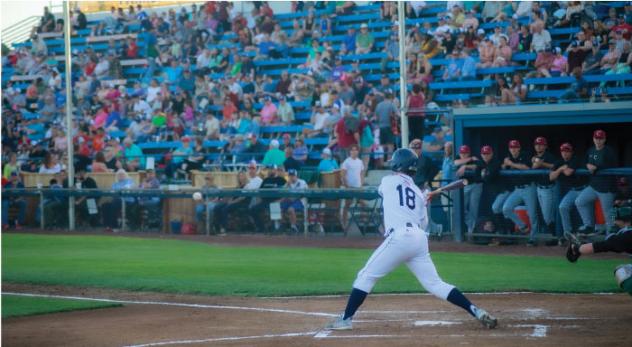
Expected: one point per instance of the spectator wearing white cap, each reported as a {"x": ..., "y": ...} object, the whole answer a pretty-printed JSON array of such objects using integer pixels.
[
  {"x": 327, "y": 163},
  {"x": 274, "y": 156},
  {"x": 364, "y": 40}
]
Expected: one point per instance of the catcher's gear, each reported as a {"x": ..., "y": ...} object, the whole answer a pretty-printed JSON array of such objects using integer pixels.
[
  {"x": 623, "y": 273},
  {"x": 404, "y": 160},
  {"x": 572, "y": 251}
]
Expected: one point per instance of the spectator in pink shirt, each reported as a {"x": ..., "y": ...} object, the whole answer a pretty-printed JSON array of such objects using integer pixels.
[
  {"x": 268, "y": 112},
  {"x": 502, "y": 54},
  {"x": 560, "y": 64}
]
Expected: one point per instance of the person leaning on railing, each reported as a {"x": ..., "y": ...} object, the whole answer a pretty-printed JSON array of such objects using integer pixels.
[{"x": 468, "y": 166}]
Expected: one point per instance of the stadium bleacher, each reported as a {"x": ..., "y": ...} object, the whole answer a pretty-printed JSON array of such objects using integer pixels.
[{"x": 372, "y": 66}]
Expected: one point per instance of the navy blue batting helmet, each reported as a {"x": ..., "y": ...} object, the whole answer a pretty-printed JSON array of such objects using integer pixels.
[{"x": 404, "y": 160}]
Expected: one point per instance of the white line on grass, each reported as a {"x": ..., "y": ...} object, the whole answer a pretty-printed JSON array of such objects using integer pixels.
[{"x": 178, "y": 304}]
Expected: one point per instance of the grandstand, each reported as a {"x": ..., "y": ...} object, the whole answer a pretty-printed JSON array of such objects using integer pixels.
[{"x": 208, "y": 72}]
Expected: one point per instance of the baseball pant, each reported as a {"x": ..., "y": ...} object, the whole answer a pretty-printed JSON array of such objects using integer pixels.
[
  {"x": 497, "y": 205},
  {"x": 545, "y": 199},
  {"x": 472, "y": 195},
  {"x": 585, "y": 203},
  {"x": 528, "y": 196},
  {"x": 566, "y": 206},
  {"x": 406, "y": 245}
]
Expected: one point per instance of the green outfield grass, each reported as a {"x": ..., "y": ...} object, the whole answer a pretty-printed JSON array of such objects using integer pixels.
[
  {"x": 16, "y": 306},
  {"x": 191, "y": 267}
]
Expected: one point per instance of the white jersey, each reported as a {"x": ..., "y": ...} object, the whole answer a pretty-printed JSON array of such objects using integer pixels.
[{"x": 403, "y": 202}]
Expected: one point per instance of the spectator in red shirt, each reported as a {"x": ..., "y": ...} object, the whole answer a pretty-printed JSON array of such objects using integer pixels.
[
  {"x": 347, "y": 132},
  {"x": 622, "y": 26}
]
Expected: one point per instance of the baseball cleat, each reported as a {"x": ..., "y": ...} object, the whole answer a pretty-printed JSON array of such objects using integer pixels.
[
  {"x": 485, "y": 318},
  {"x": 340, "y": 324}
]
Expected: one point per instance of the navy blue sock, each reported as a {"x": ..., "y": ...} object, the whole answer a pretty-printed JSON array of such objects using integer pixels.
[
  {"x": 355, "y": 300},
  {"x": 457, "y": 298}
]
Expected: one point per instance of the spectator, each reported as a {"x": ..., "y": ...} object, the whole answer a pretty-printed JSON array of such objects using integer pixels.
[
  {"x": 274, "y": 156},
  {"x": 516, "y": 94},
  {"x": 592, "y": 63},
  {"x": 352, "y": 176},
  {"x": 99, "y": 164},
  {"x": 47, "y": 22},
  {"x": 385, "y": 112},
  {"x": 576, "y": 56},
  {"x": 207, "y": 207},
  {"x": 486, "y": 53},
  {"x": 178, "y": 159},
  {"x": 50, "y": 164},
  {"x": 289, "y": 205},
  {"x": 256, "y": 147},
  {"x": 111, "y": 210},
  {"x": 133, "y": 155},
  {"x": 87, "y": 212},
  {"x": 273, "y": 181},
  {"x": 391, "y": 48},
  {"x": 416, "y": 114},
  {"x": 290, "y": 162},
  {"x": 349, "y": 41},
  {"x": 502, "y": 53},
  {"x": 285, "y": 112},
  {"x": 300, "y": 150},
  {"x": 611, "y": 58},
  {"x": 364, "y": 40},
  {"x": 560, "y": 63},
  {"x": 268, "y": 112},
  {"x": 452, "y": 71},
  {"x": 327, "y": 164},
  {"x": 13, "y": 202},
  {"x": 226, "y": 206},
  {"x": 543, "y": 63},
  {"x": 541, "y": 39},
  {"x": 578, "y": 89},
  {"x": 11, "y": 167},
  {"x": 212, "y": 126},
  {"x": 468, "y": 69}
]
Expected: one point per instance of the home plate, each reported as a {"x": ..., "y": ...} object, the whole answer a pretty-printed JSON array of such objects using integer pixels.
[{"x": 432, "y": 323}]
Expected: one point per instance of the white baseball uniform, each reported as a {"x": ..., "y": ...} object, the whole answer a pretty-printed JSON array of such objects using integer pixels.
[{"x": 405, "y": 221}]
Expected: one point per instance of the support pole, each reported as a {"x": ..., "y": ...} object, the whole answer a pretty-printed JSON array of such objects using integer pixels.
[
  {"x": 401, "y": 15},
  {"x": 70, "y": 166}
]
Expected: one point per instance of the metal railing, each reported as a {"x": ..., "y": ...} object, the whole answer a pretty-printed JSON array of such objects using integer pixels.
[{"x": 20, "y": 31}]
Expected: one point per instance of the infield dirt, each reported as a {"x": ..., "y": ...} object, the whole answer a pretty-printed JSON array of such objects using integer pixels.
[{"x": 525, "y": 319}]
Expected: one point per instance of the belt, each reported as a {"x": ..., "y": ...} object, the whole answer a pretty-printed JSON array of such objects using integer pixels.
[
  {"x": 545, "y": 187},
  {"x": 522, "y": 186},
  {"x": 578, "y": 188},
  {"x": 408, "y": 225}
]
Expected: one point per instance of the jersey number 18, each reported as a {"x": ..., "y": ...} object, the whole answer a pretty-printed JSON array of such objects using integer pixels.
[{"x": 410, "y": 197}]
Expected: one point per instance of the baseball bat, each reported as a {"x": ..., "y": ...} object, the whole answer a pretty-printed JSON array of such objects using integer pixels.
[{"x": 458, "y": 184}]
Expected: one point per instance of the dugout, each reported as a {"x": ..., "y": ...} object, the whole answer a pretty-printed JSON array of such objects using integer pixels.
[{"x": 559, "y": 123}]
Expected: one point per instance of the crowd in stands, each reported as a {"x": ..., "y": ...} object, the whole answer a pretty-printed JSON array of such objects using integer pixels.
[{"x": 204, "y": 84}]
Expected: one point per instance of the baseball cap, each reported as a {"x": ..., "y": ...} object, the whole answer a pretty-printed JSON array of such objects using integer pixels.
[
  {"x": 274, "y": 143},
  {"x": 480, "y": 32},
  {"x": 599, "y": 134},
  {"x": 487, "y": 150},
  {"x": 464, "y": 149},
  {"x": 272, "y": 166},
  {"x": 292, "y": 172},
  {"x": 364, "y": 25},
  {"x": 327, "y": 151},
  {"x": 540, "y": 140},
  {"x": 514, "y": 144},
  {"x": 566, "y": 147},
  {"x": 252, "y": 163}
]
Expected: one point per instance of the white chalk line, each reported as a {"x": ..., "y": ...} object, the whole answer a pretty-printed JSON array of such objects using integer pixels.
[
  {"x": 433, "y": 323},
  {"x": 177, "y": 304},
  {"x": 219, "y": 339}
]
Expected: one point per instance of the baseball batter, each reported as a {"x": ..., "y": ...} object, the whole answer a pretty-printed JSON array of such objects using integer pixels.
[{"x": 405, "y": 221}]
